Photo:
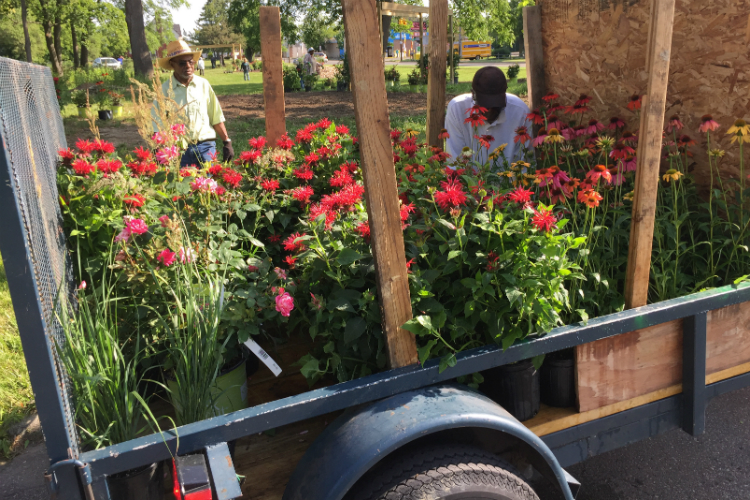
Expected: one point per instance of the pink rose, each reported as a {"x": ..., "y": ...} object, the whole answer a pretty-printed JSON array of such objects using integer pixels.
[
  {"x": 124, "y": 236},
  {"x": 164, "y": 219},
  {"x": 165, "y": 155},
  {"x": 82, "y": 286},
  {"x": 284, "y": 303},
  {"x": 166, "y": 257},
  {"x": 136, "y": 226}
]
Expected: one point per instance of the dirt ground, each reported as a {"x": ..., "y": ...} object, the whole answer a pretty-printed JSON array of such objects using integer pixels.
[{"x": 316, "y": 104}]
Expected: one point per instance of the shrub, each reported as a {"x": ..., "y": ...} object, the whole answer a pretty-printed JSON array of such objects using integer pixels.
[{"x": 513, "y": 71}]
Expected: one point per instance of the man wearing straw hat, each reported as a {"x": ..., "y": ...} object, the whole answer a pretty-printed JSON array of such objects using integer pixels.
[{"x": 205, "y": 119}]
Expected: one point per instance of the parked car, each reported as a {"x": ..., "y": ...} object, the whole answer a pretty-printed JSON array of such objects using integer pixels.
[
  {"x": 107, "y": 62},
  {"x": 321, "y": 55}
]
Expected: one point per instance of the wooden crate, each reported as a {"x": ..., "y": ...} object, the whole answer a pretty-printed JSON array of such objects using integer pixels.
[{"x": 642, "y": 362}]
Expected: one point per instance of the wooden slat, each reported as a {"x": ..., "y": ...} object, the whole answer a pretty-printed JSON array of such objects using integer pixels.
[
  {"x": 436, "y": 80},
  {"x": 373, "y": 127},
  {"x": 532, "y": 40},
  {"x": 273, "y": 80},
  {"x": 637, "y": 363},
  {"x": 649, "y": 153}
]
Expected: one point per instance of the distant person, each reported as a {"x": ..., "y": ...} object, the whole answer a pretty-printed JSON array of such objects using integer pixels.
[
  {"x": 505, "y": 113},
  {"x": 121, "y": 60},
  {"x": 309, "y": 63},
  {"x": 205, "y": 119},
  {"x": 213, "y": 61},
  {"x": 201, "y": 67},
  {"x": 245, "y": 69}
]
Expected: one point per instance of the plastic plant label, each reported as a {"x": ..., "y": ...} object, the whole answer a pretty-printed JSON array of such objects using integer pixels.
[{"x": 263, "y": 356}]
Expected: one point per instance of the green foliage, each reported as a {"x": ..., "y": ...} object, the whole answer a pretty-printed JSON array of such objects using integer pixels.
[
  {"x": 513, "y": 71},
  {"x": 291, "y": 78},
  {"x": 213, "y": 27}
]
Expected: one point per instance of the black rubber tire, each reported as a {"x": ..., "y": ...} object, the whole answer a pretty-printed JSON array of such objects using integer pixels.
[{"x": 447, "y": 472}]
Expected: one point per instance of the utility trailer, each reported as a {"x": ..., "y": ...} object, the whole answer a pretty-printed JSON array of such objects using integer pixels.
[{"x": 411, "y": 430}]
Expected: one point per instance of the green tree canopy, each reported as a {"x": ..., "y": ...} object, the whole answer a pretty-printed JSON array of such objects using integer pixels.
[{"x": 213, "y": 27}]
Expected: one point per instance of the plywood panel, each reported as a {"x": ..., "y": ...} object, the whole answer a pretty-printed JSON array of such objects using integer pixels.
[
  {"x": 599, "y": 48},
  {"x": 728, "y": 337}
]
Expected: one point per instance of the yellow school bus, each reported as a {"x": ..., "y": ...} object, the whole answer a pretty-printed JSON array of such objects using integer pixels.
[{"x": 474, "y": 50}]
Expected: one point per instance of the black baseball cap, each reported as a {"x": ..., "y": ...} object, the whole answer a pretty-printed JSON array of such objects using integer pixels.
[{"x": 489, "y": 86}]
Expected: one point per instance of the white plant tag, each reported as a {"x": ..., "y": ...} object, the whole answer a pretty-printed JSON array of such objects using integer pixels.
[{"x": 263, "y": 356}]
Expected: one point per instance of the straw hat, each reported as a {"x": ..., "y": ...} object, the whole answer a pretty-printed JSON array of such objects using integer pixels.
[{"x": 176, "y": 48}]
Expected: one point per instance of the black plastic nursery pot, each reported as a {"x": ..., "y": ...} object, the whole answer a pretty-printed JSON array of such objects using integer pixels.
[
  {"x": 515, "y": 387},
  {"x": 557, "y": 379},
  {"x": 143, "y": 483},
  {"x": 105, "y": 114}
]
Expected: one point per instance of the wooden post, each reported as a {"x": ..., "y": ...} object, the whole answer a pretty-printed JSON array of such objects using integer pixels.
[
  {"x": 273, "y": 78},
  {"x": 532, "y": 40},
  {"x": 649, "y": 153},
  {"x": 381, "y": 193},
  {"x": 436, "y": 80},
  {"x": 453, "y": 64}
]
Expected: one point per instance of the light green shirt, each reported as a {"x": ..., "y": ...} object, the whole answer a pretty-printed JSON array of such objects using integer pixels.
[{"x": 200, "y": 104}]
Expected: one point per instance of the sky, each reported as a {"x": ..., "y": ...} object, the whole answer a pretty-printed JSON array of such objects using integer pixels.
[{"x": 186, "y": 17}]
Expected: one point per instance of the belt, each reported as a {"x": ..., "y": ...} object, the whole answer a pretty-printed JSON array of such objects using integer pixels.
[{"x": 207, "y": 140}]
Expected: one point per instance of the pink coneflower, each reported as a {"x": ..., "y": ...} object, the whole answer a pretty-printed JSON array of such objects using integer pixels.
[
  {"x": 558, "y": 176},
  {"x": 554, "y": 122},
  {"x": 550, "y": 96},
  {"x": 615, "y": 123},
  {"x": 583, "y": 99},
  {"x": 443, "y": 135},
  {"x": 476, "y": 116},
  {"x": 540, "y": 136},
  {"x": 629, "y": 137},
  {"x": 674, "y": 124},
  {"x": 484, "y": 140},
  {"x": 708, "y": 124},
  {"x": 629, "y": 164},
  {"x": 684, "y": 141},
  {"x": 599, "y": 171},
  {"x": 576, "y": 109}
]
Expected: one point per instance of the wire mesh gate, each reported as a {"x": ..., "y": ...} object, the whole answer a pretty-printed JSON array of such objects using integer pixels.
[{"x": 32, "y": 241}]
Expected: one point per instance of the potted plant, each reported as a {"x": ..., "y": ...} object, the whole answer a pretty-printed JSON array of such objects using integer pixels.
[
  {"x": 103, "y": 100},
  {"x": 310, "y": 81},
  {"x": 116, "y": 103},
  {"x": 291, "y": 78},
  {"x": 343, "y": 76},
  {"x": 81, "y": 100},
  {"x": 392, "y": 76},
  {"x": 414, "y": 78},
  {"x": 101, "y": 359},
  {"x": 515, "y": 387},
  {"x": 557, "y": 379}
]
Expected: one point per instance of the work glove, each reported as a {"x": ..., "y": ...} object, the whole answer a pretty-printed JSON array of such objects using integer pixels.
[{"x": 227, "y": 152}]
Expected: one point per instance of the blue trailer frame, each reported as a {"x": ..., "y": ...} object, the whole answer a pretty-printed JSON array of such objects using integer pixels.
[{"x": 26, "y": 182}]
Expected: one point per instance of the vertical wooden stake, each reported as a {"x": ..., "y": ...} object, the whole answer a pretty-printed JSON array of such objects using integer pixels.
[
  {"x": 450, "y": 43},
  {"x": 436, "y": 79},
  {"x": 532, "y": 41},
  {"x": 649, "y": 153},
  {"x": 273, "y": 78},
  {"x": 421, "y": 45},
  {"x": 376, "y": 152}
]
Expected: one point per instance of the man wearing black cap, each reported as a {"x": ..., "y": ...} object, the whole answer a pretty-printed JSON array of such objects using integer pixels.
[{"x": 505, "y": 113}]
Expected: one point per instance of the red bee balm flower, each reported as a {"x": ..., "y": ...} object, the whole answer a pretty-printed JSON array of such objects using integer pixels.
[
  {"x": 520, "y": 195},
  {"x": 257, "y": 142},
  {"x": 66, "y": 154},
  {"x": 543, "y": 219},
  {"x": 103, "y": 147},
  {"x": 323, "y": 124},
  {"x": 303, "y": 194},
  {"x": 364, "y": 230},
  {"x": 342, "y": 129},
  {"x": 85, "y": 147},
  {"x": 451, "y": 196},
  {"x": 134, "y": 200},
  {"x": 290, "y": 245},
  {"x": 270, "y": 185},
  {"x": 108, "y": 166},
  {"x": 142, "y": 153},
  {"x": 285, "y": 142},
  {"x": 341, "y": 178},
  {"x": 231, "y": 178},
  {"x": 303, "y": 173},
  {"x": 82, "y": 167}
]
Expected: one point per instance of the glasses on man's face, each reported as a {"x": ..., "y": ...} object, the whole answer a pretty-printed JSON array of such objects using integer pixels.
[{"x": 184, "y": 64}]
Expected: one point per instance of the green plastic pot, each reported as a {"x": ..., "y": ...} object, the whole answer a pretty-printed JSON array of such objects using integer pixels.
[
  {"x": 230, "y": 389},
  {"x": 82, "y": 112}
]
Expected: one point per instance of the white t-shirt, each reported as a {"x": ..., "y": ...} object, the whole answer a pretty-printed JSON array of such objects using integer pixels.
[
  {"x": 503, "y": 129},
  {"x": 201, "y": 64}
]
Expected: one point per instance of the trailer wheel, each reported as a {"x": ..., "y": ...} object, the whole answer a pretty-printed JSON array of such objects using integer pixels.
[{"x": 449, "y": 472}]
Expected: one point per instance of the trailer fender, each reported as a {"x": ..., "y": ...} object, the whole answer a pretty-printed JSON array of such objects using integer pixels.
[{"x": 357, "y": 440}]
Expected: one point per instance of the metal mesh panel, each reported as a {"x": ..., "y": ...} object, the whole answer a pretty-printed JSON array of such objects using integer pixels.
[{"x": 33, "y": 132}]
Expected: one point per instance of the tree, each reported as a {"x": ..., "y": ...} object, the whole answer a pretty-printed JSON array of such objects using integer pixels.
[
  {"x": 49, "y": 13},
  {"x": 137, "y": 33},
  {"x": 317, "y": 29},
  {"x": 213, "y": 26}
]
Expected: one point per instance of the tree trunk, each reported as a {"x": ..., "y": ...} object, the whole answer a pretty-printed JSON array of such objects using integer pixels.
[
  {"x": 74, "y": 39},
  {"x": 50, "y": 41},
  {"x": 26, "y": 37},
  {"x": 84, "y": 53},
  {"x": 138, "y": 46},
  {"x": 57, "y": 32}
]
